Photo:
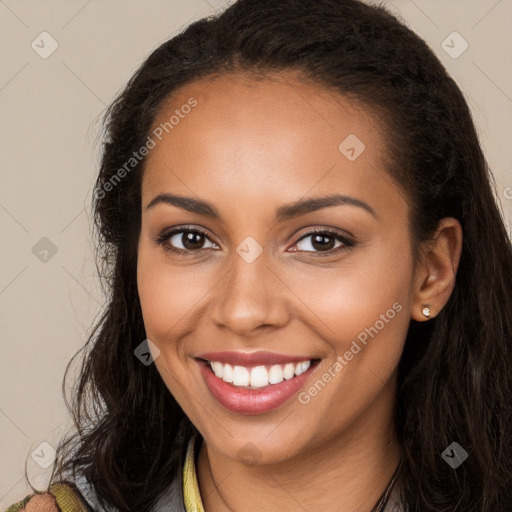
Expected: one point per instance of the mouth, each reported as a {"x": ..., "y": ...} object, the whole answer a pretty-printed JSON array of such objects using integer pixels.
[
  {"x": 255, "y": 389},
  {"x": 260, "y": 376}
]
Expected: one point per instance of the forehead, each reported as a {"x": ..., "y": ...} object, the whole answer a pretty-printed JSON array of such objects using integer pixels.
[{"x": 277, "y": 134}]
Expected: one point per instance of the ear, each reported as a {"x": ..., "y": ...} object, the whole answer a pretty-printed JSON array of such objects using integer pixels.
[{"x": 436, "y": 270}]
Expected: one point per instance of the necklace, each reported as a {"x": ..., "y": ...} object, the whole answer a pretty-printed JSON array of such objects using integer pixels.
[{"x": 383, "y": 500}]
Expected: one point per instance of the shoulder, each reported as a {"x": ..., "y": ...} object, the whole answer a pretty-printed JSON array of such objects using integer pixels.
[
  {"x": 60, "y": 497},
  {"x": 35, "y": 502},
  {"x": 171, "y": 499},
  {"x": 77, "y": 495}
]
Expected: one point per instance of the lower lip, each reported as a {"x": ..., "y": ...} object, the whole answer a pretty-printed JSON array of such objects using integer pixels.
[{"x": 252, "y": 401}]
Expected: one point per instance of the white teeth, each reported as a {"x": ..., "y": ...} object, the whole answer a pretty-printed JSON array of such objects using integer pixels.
[
  {"x": 227, "y": 373},
  {"x": 275, "y": 375},
  {"x": 258, "y": 376},
  {"x": 240, "y": 376},
  {"x": 217, "y": 369},
  {"x": 289, "y": 371}
]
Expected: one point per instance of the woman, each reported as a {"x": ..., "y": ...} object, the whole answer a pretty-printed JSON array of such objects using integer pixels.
[{"x": 309, "y": 274}]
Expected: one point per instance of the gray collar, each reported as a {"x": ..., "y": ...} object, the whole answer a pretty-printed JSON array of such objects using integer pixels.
[{"x": 172, "y": 499}]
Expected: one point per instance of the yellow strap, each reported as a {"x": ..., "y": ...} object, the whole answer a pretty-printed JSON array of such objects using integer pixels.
[
  {"x": 65, "y": 496},
  {"x": 67, "y": 499},
  {"x": 191, "y": 494},
  {"x": 16, "y": 507}
]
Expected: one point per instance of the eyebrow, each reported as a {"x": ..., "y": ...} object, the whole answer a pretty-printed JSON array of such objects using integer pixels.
[{"x": 283, "y": 213}]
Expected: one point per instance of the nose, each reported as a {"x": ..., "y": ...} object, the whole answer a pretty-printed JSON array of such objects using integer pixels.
[{"x": 251, "y": 297}]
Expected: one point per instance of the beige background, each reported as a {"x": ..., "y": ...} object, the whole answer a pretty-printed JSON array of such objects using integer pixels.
[{"x": 51, "y": 111}]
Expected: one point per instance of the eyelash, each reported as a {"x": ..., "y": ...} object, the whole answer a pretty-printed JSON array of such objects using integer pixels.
[{"x": 165, "y": 236}]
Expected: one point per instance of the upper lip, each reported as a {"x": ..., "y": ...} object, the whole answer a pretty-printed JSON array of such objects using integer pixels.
[{"x": 252, "y": 358}]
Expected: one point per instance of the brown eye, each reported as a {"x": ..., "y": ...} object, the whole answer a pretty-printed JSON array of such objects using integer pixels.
[
  {"x": 323, "y": 242},
  {"x": 190, "y": 240},
  {"x": 185, "y": 240}
]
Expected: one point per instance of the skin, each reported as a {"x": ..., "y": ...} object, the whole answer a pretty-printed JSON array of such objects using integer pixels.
[
  {"x": 249, "y": 147},
  {"x": 41, "y": 503}
]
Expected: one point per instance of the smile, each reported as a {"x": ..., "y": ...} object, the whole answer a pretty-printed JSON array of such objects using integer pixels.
[
  {"x": 254, "y": 383},
  {"x": 258, "y": 376}
]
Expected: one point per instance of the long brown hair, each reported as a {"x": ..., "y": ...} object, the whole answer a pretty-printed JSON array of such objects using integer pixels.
[{"x": 455, "y": 379}]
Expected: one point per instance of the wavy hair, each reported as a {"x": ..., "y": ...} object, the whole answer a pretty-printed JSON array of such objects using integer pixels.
[{"x": 454, "y": 378}]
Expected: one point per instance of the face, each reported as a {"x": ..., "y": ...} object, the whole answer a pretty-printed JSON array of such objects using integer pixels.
[{"x": 257, "y": 273}]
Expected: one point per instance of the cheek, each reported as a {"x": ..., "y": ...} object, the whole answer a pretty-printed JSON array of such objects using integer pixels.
[
  {"x": 378, "y": 307},
  {"x": 346, "y": 300},
  {"x": 362, "y": 311},
  {"x": 169, "y": 294}
]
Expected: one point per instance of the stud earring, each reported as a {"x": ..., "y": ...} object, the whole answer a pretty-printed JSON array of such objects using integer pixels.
[{"x": 426, "y": 311}]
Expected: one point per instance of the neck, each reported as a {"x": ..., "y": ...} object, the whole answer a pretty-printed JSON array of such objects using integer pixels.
[{"x": 348, "y": 472}]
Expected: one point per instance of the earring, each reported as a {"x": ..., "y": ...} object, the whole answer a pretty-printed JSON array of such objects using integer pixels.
[{"x": 426, "y": 311}]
